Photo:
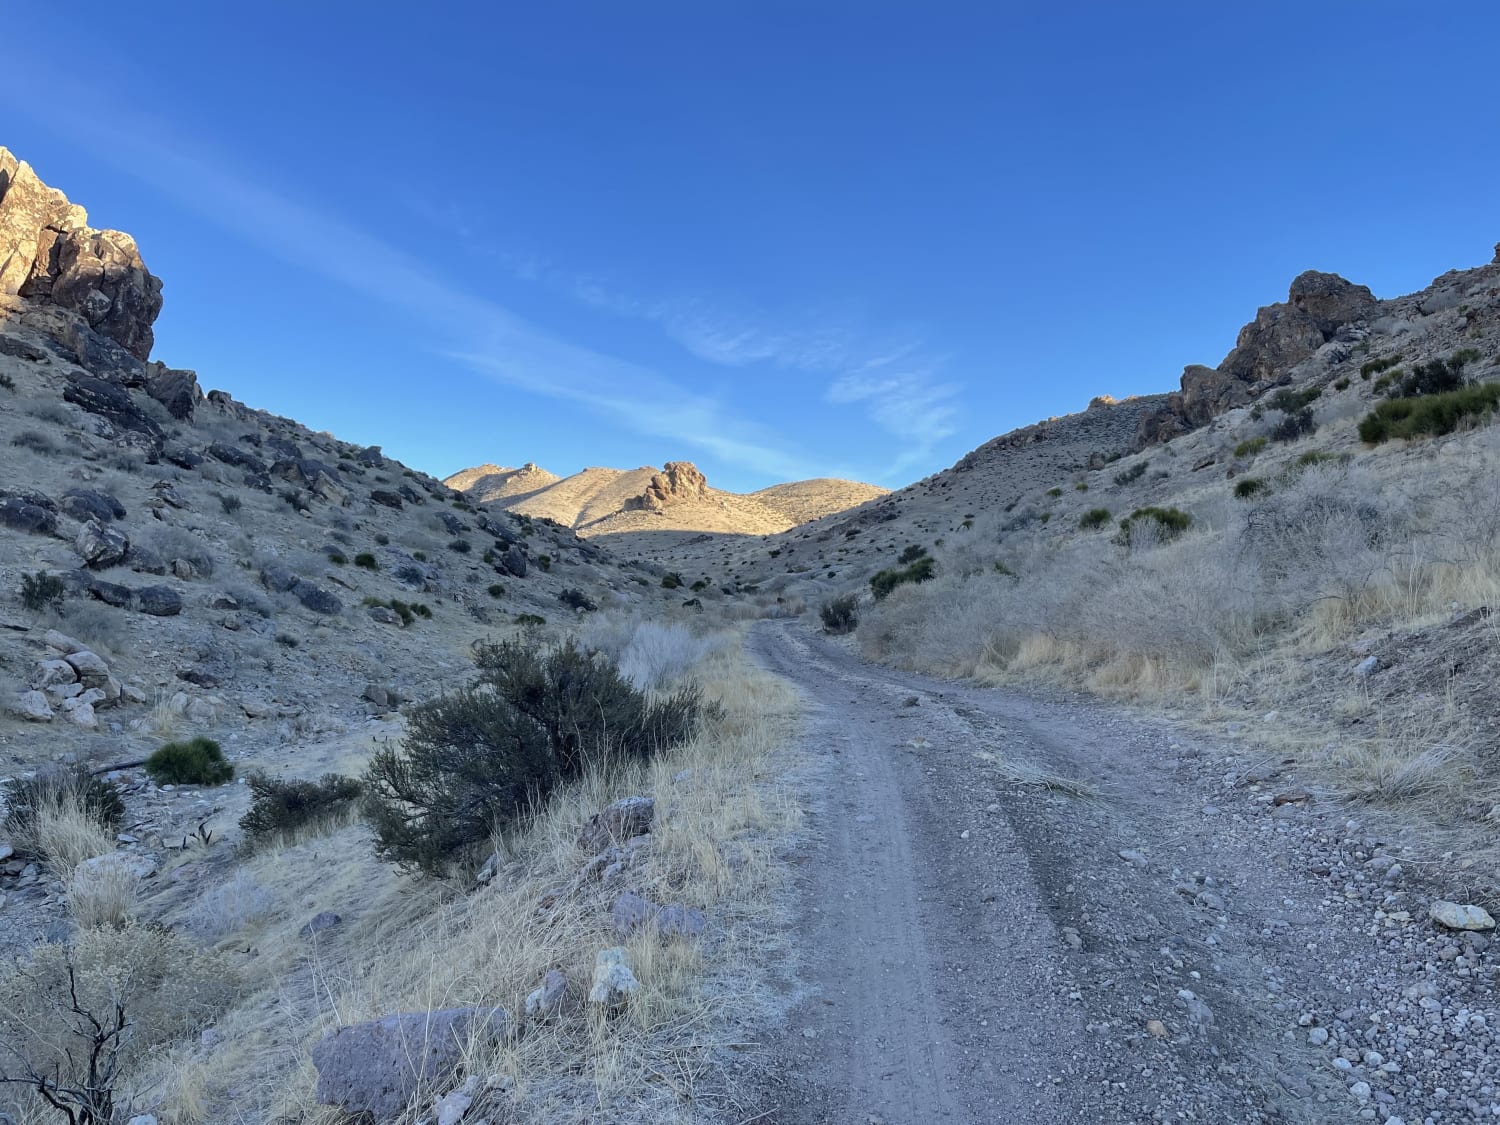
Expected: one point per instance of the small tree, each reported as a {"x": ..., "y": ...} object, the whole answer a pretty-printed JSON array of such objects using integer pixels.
[
  {"x": 840, "y": 615},
  {"x": 80, "y": 1082}
]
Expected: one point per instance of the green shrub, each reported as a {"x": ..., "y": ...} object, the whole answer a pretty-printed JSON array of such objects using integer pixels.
[
  {"x": 1428, "y": 414},
  {"x": 671, "y": 580},
  {"x": 478, "y": 759},
  {"x": 283, "y": 806},
  {"x": 1341, "y": 384},
  {"x": 367, "y": 561},
  {"x": 462, "y": 546},
  {"x": 1132, "y": 474},
  {"x": 229, "y": 502},
  {"x": 496, "y": 590},
  {"x": 530, "y": 620},
  {"x": 195, "y": 762},
  {"x": 883, "y": 582},
  {"x": 1169, "y": 522},
  {"x": 337, "y": 558},
  {"x": 1436, "y": 377},
  {"x": 1004, "y": 571},
  {"x": 1384, "y": 382},
  {"x": 1376, "y": 366},
  {"x": 699, "y": 586},
  {"x": 1289, "y": 401},
  {"x": 1081, "y": 486},
  {"x": 574, "y": 598},
  {"x": 420, "y": 556},
  {"x": 840, "y": 615},
  {"x": 1054, "y": 492},
  {"x": 544, "y": 561},
  {"x": 1250, "y": 447},
  {"x": 1094, "y": 518},
  {"x": 911, "y": 554},
  {"x": 57, "y": 789},
  {"x": 1248, "y": 487},
  {"x": 1295, "y": 425},
  {"x": 41, "y": 591},
  {"x": 7, "y": 382},
  {"x": 1317, "y": 457}
]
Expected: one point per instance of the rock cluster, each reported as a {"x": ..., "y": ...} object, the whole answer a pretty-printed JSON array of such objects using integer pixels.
[
  {"x": 678, "y": 482},
  {"x": 50, "y": 255},
  {"x": 1319, "y": 306},
  {"x": 75, "y": 683}
]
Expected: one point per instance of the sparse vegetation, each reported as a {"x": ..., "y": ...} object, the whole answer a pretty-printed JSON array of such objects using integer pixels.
[
  {"x": 1290, "y": 401},
  {"x": 530, "y": 620},
  {"x": 480, "y": 758},
  {"x": 285, "y": 807},
  {"x": 7, "y": 382},
  {"x": 1341, "y": 384},
  {"x": 34, "y": 440},
  {"x": 1294, "y": 425},
  {"x": 575, "y": 598},
  {"x": 911, "y": 554},
  {"x": 1054, "y": 492},
  {"x": 461, "y": 546},
  {"x": 671, "y": 580},
  {"x": 1247, "y": 487},
  {"x": 198, "y": 761},
  {"x": 840, "y": 615},
  {"x": 1094, "y": 518},
  {"x": 366, "y": 561},
  {"x": 1436, "y": 377},
  {"x": 1250, "y": 447},
  {"x": 1132, "y": 474},
  {"x": 61, "y": 814},
  {"x": 495, "y": 590},
  {"x": 42, "y": 591},
  {"x": 884, "y": 581},
  {"x": 1376, "y": 366},
  {"x": 1429, "y": 415},
  {"x": 1165, "y": 523},
  {"x": 544, "y": 561}
]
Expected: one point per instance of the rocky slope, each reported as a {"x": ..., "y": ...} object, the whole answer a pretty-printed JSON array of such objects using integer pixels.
[
  {"x": 655, "y": 508},
  {"x": 1315, "y": 342},
  {"x": 175, "y": 560}
]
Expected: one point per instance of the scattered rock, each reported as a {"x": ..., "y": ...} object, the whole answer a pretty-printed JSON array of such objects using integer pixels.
[
  {"x": 548, "y": 999},
  {"x": 630, "y": 816},
  {"x": 377, "y": 1067},
  {"x": 324, "y": 920}
]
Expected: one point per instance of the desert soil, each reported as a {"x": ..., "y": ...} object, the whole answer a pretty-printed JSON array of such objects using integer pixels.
[{"x": 978, "y": 947}]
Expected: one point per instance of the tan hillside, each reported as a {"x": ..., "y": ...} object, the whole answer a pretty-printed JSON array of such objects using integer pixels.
[
  {"x": 803, "y": 501},
  {"x": 658, "y": 508}
]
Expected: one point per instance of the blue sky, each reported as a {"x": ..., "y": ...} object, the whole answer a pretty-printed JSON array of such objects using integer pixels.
[{"x": 777, "y": 239}]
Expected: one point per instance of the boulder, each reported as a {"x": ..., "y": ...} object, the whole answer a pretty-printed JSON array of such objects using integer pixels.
[
  {"x": 323, "y": 920},
  {"x": 49, "y": 672},
  {"x": 17, "y": 514},
  {"x": 114, "y": 405},
  {"x": 629, "y": 913},
  {"x": 84, "y": 504},
  {"x": 1453, "y": 916},
  {"x": 277, "y": 578},
  {"x": 316, "y": 598},
  {"x": 31, "y": 706},
  {"x": 617, "y": 822},
  {"x": 90, "y": 667},
  {"x": 112, "y": 593},
  {"x": 174, "y": 388},
  {"x": 380, "y": 1066},
  {"x": 159, "y": 601},
  {"x": 677, "y": 920},
  {"x": 100, "y": 546},
  {"x": 231, "y": 454},
  {"x": 387, "y": 499},
  {"x": 614, "y": 982},
  {"x": 513, "y": 562},
  {"x": 547, "y": 1000}
]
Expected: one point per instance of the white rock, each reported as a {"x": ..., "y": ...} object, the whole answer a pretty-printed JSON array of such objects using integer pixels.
[
  {"x": 83, "y": 715},
  {"x": 49, "y": 672},
  {"x": 61, "y": 642},
  {"x": 32, "y": 706},
  {"x": 450, "y": 1109},
  {"x": 614, "y": 982},
  {"x": 1457, "y": 917},
  {"x": 1318, "y": 1036},
  {"x": 91, "y": 668}
]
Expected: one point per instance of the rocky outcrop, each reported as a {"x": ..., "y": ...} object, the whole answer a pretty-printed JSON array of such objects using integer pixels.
[
  {"x": 1319, "y": 306},
  {"x": 49, "y": 255},
  {"x": 679, "y": 481}
]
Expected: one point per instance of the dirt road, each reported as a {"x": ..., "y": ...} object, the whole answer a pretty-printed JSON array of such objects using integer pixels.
[{"x": 978, "y": 947}]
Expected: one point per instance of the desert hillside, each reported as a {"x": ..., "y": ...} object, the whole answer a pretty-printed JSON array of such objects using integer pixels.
[{"x": 656, "y": 509}]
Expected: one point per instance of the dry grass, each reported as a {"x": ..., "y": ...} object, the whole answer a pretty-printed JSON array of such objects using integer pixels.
[
  {"x": 409, "y": 944},
  {"x": 67, "y": 835},
  {"x": 103, "y": 894}
]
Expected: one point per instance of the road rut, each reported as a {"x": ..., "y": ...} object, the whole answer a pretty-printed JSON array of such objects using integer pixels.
[{"x": 974, "y": 946}]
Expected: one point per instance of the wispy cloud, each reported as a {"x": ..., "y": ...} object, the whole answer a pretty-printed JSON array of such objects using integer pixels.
[
  {"x": 897, "y": 383},
  {"x": 477, "y": 331}
]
